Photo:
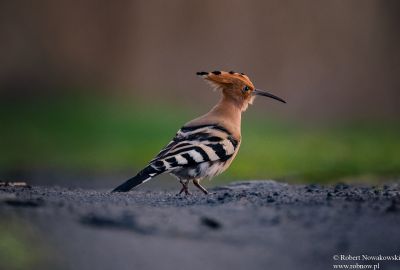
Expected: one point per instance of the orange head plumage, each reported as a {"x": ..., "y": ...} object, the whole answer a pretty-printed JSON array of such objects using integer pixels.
[{"x": 235, "y": 86}]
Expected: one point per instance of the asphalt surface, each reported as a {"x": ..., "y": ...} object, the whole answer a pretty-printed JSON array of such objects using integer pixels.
[{"x": 246, "y": 225}]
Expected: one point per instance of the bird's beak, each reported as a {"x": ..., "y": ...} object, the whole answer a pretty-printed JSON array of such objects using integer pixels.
[{"x": 258, "y": 92}]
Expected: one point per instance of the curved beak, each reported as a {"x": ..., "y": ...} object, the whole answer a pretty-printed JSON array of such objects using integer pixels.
[{"x": 258, "y": 92}]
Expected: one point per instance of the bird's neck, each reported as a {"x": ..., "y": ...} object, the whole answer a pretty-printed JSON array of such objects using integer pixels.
[{"x": 228, "y": 112}]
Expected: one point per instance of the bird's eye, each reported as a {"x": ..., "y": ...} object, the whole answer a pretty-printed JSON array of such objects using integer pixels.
[{"x": 246, "y": 88}]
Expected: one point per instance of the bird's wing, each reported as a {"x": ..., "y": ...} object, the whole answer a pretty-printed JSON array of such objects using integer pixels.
[
  {"x": 194, "y": 145},
  {"x": 190, "y": 147}
]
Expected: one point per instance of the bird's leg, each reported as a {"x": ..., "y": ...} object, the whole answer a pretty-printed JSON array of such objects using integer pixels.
[
  {"x": 196, "y": 182},
  {"x": 184, "y": 187}
]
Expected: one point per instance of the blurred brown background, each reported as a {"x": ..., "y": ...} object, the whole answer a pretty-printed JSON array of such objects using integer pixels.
[{"x": 329, "y": 59}]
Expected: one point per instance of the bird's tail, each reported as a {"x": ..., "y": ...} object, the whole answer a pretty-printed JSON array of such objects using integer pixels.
[{"x": 144, "y": 175}]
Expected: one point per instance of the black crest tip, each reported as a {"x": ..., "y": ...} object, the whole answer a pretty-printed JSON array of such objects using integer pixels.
[
  {"x": 231, "y": 72},
  {"x": 201, "y": 73},
  {"x": 216, "y": 72}
]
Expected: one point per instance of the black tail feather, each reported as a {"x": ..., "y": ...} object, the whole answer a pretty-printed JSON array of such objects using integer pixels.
[{"x": 143, "y": 176}]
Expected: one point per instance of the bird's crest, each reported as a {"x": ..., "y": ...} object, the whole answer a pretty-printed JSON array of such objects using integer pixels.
[{"x": 222, "y": 79}]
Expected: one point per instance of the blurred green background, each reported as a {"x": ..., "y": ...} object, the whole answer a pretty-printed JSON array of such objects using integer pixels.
[
  {"x": 110, "y": 135},
  {"x": 97, "y": 88}
]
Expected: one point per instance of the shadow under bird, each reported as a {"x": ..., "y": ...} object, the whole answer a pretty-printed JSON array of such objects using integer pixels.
[{"x": 207, "y": 145}]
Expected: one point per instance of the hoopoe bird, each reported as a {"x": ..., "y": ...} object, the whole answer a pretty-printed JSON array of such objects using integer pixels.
[{"x": 207, "y": 145}]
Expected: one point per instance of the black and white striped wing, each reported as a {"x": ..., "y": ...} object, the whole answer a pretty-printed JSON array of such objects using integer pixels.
[
  {"x": 194, "y": 145},
  {"x": 190, "y": 147}
]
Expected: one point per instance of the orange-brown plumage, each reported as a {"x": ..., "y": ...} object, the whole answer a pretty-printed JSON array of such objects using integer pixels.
[{"x": 232, "y": 84}]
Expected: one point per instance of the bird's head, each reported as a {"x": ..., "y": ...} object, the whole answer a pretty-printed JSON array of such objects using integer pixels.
[{"x": 235, "y": 86}]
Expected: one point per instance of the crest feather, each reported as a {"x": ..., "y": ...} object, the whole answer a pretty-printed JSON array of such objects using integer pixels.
[{"x": 220, "y": 78}]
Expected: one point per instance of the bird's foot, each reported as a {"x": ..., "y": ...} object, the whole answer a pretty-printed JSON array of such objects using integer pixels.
[
  {"x": 196, "y": 182},
  {"x": 184, "y": 188}
]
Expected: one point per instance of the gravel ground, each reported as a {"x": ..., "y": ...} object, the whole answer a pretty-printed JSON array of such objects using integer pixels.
[{"x": 246, "y": 225}]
